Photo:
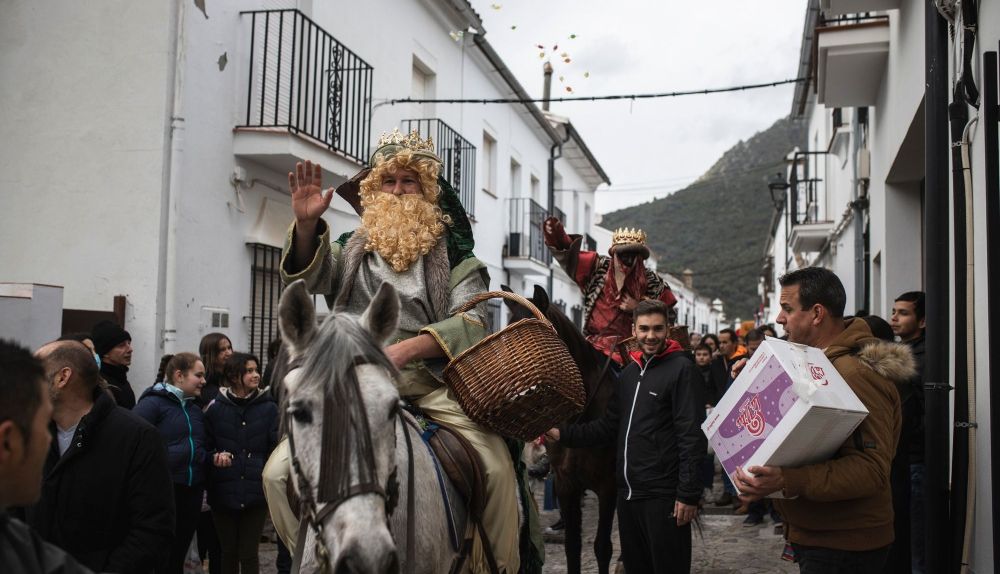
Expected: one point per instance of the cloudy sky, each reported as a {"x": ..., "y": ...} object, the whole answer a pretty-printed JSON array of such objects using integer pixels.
[{"x": 652, "y": 147}]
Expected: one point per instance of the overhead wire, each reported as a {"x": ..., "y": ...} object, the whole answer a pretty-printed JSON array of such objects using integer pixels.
[{"x": 674, "y": 94}]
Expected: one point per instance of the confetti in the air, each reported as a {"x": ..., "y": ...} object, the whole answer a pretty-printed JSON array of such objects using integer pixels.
[
  {"x": 572, "y": 36},
  {"x": 556, "y": 47},
  {"x": 542, "y": 55},
  {"x": 564, "y": 55},
  {"x": 513, "y": 27},
  {"x": 496, "y": 6},
  {"x": 569, "y": 89},
  {"x": 456, "y": 36},
  {"x": 567, "y": 60},
  {"x": 586, "y": 74},
  {"x": 540, "y": 47},
  {"x": 561, "y": 78}
]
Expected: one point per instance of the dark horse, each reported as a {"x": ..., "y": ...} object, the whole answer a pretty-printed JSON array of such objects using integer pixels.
[{"x": 580, "y": 469}]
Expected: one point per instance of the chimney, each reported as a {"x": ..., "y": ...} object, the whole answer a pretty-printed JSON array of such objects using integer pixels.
[
  {"x": 547, "y": 89},
  {"x": 688, "y": 279}
]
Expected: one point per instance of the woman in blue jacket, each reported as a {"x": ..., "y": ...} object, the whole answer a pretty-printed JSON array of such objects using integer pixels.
[
  {"x": 242, "y": 425},
  {"x": 169, "y": 405}
]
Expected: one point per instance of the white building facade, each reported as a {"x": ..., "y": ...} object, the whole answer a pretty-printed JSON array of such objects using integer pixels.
[
  {"x": 165, "y": 133},
  {"x": 857, "y": 199}
]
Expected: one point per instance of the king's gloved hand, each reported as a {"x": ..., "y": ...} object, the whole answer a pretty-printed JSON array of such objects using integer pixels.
[{"x": 555, "y": 234}]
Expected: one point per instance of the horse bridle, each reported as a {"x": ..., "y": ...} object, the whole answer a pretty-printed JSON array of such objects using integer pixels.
[{"x": 313, "y": 514}]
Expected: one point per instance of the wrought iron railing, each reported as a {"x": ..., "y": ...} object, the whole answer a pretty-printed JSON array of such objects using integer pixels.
[
  {"x": 458, "y": 157},
  {"x": 265, "y": 290},
  {"x": 850, "y": 19},
  {"x": 805, "y": 200},
  {"x": 559, "y": 214},
  {"x": 303, "y": 80},
  {"x": 806, "y": 190},
  {"x": 525, "y": 239},
  {"x": 495, "y": 315}
]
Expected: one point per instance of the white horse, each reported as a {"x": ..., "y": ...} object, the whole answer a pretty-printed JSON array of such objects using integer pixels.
[{"x": 372, "y": 497}]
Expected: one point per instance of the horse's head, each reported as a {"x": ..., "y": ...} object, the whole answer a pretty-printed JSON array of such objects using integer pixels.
[
  {"x": 342, "y": 407},
  {"x": 567, "y": 331}
]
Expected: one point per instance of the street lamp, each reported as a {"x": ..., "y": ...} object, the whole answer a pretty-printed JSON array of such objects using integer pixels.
[{"x": 777, "y": 187}]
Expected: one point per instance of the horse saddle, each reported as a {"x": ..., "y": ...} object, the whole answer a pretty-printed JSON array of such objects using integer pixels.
[{"x": 460, "y": 463}]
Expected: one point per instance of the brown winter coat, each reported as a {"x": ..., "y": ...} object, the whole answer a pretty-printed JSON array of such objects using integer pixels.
[{"x": 846, "y": 503}]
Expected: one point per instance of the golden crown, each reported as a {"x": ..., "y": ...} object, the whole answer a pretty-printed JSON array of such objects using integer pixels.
[
  {"x": 626, "y": 236},
  {"x": 392, "y": 143}
]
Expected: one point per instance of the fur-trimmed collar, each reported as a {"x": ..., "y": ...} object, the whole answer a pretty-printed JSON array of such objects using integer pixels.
[
  {"x": 893, "y": 361},
  {"x": 437, "y": 273}
]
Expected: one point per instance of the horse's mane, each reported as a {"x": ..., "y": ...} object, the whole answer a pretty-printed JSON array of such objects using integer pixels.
[{"x": 340, "y": 345}]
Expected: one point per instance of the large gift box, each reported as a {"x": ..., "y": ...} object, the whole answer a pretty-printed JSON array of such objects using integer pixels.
[{"x": 788, "y": 407}]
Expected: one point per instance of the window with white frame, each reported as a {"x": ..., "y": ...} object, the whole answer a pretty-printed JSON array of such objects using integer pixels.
[
  {"x": 515, "y": 178},
  {"x": 489, "y": 164}
]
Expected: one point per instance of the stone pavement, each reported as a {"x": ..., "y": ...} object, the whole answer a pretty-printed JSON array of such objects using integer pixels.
[{"x": 724, "y": 547}]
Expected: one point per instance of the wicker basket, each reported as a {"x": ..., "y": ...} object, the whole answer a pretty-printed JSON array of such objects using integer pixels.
[{"x": 520, "y": 381}]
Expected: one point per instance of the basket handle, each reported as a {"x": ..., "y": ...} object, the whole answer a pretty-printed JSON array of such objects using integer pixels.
[{"x": 487, "y": 295}]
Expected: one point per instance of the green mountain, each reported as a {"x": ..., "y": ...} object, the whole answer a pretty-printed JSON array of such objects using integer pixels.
[{"x": 718, "y": 225}]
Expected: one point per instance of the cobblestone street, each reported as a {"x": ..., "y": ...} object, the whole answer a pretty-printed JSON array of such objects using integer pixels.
[{"x": 725, "y": 545}]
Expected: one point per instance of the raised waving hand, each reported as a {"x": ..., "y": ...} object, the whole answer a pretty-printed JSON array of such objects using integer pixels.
[{"x": 309, "y": 201}]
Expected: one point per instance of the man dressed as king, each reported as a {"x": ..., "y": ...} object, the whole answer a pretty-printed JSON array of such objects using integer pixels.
[
  {"x": 415, "y": 235},
  {"x": 612, "y": 284}
]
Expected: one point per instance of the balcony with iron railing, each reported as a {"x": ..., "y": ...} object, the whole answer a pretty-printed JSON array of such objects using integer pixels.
[
  {"x": 306, "y": 93},
  {"x": 852, "y": 51},
  {"x": 809, "y": 226},
  {"x": 458, "y": 157},
  {"x": 526, "y": 251}
]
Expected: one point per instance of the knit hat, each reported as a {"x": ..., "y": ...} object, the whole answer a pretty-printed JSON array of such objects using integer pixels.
[{"x": 106, "y": 336}]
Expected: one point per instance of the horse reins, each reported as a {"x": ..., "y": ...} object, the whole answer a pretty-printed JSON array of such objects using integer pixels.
[{"x": 313, "y": 513}]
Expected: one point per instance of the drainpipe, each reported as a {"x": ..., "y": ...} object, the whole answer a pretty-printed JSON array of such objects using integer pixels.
[
  {"x": 173, "y": 140},
  {"x": 555, "y": 152},
  {"x": 958, "y": 115},
  {"x": 859, "y": 203},
  {"x": 991, "y": 132},
  {"x": 936, "y": 243}
]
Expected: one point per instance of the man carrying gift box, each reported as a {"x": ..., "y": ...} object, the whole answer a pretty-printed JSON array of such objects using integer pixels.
[
  {"x": 612, "y": 284},
  {"x": 839, "y": 512},
  {"x": 655, "y": 417}
]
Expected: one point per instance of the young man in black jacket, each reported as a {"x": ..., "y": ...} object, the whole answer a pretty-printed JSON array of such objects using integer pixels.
[{"x": 655, "y": 415}]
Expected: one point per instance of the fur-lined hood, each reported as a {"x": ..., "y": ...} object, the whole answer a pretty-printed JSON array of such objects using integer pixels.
[{"x": 893, "y": 361}]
